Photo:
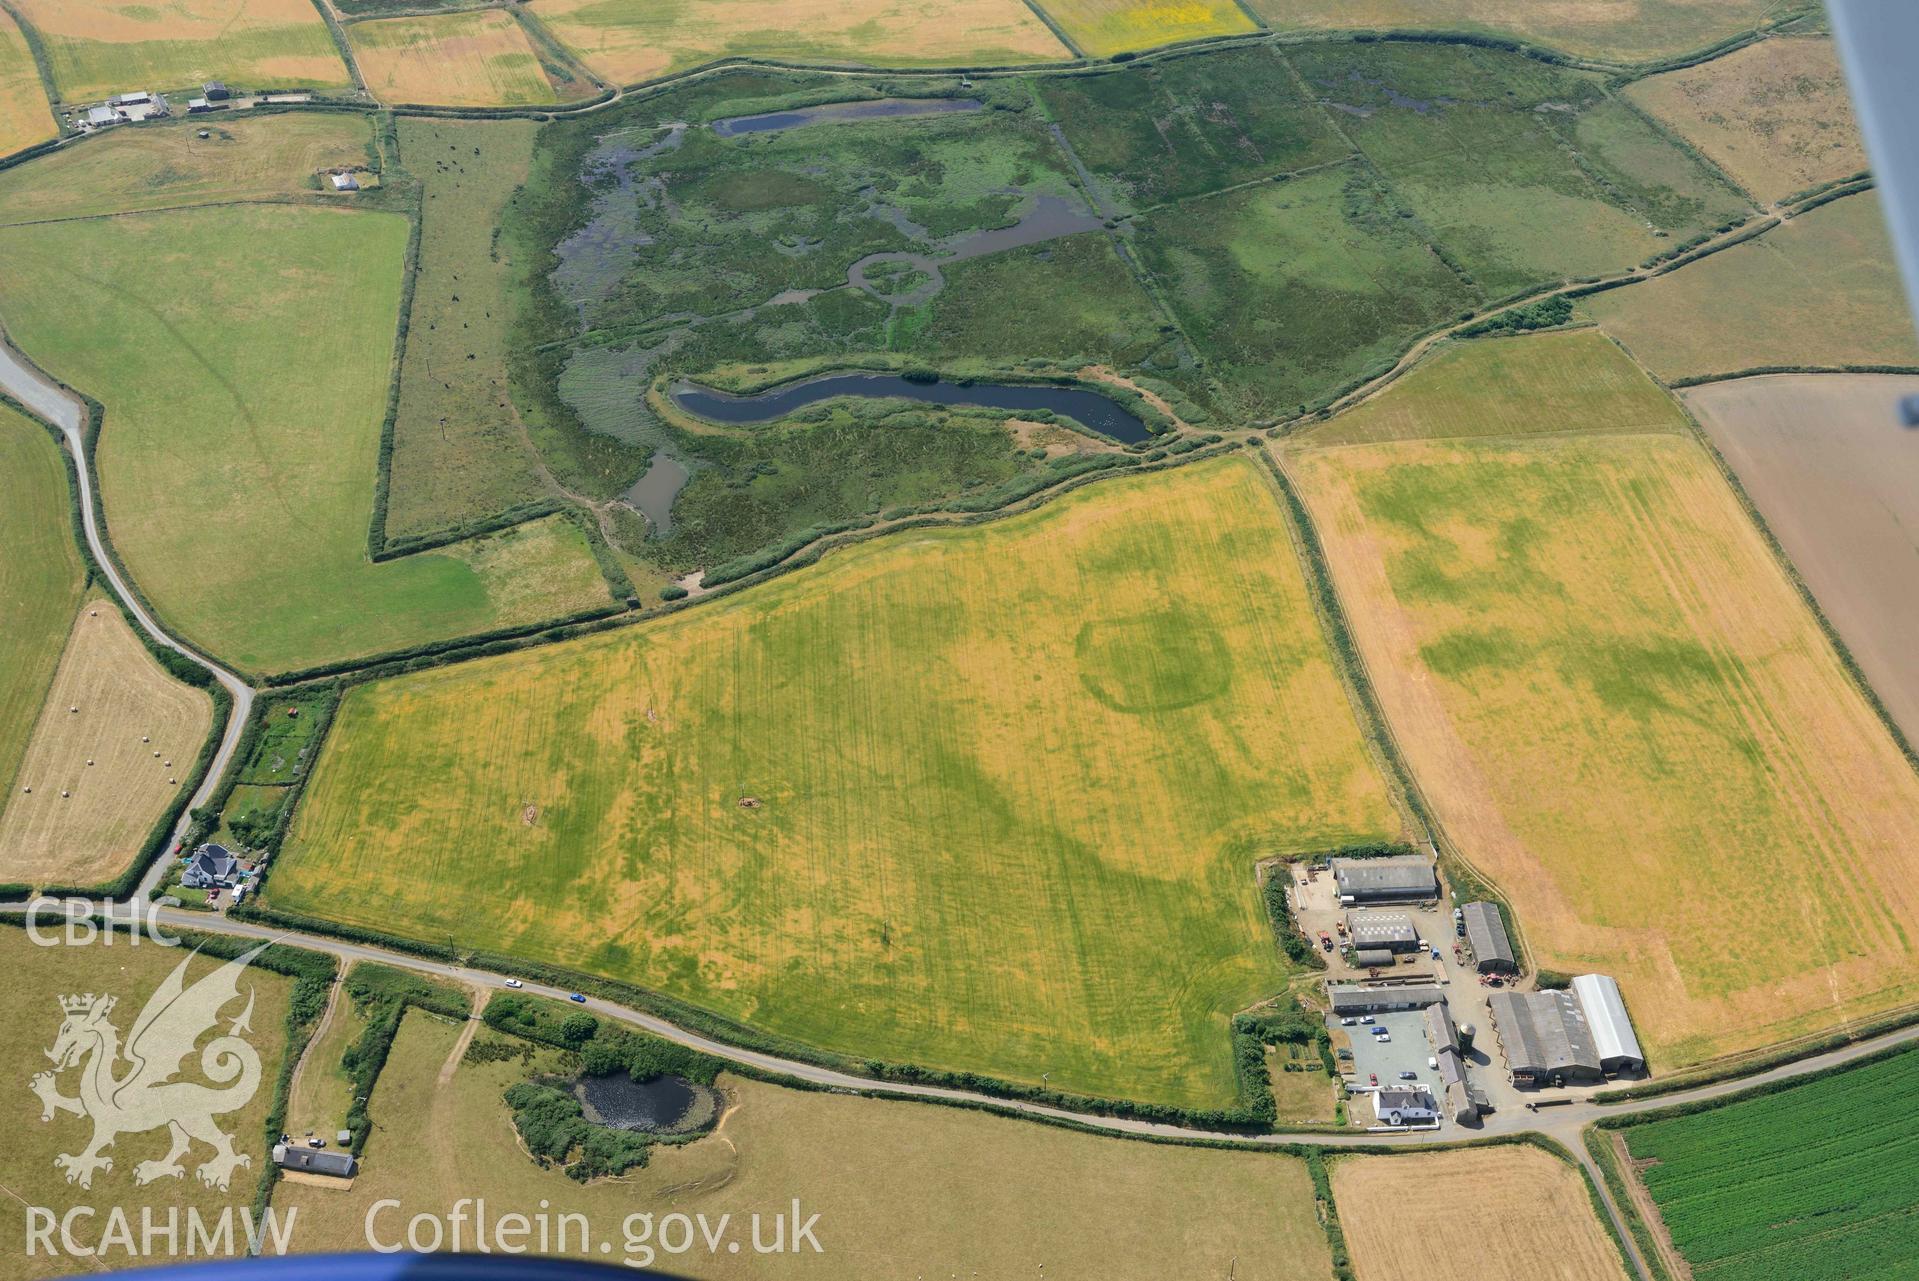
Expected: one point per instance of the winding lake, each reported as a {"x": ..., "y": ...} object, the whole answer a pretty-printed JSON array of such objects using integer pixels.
[{"x": 1087, "y": 408}]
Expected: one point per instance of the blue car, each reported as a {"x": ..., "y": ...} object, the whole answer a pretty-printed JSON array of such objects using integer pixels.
[{"x": 577, "y": 997}]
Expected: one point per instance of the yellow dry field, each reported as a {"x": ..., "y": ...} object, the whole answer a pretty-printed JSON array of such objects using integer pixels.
[
  {"x": 116, "y": 786},
  {"x": 477, "y": 59},
  {"x": 1625, "y": 716},
  {"x": 102, "y": 47},
  {"x": 1775, "y": 115},
  {"x": 1617, "y": 30},
  {"x": 902, "y": 1190},
  {"x": 169, "y": 166},
  {"x": 1506, "y": 1211},
  {"x": 1102, "y": 28},
  {"x": 633, "y": 40},
  {"x": 25, "y": 117},
  {"x": 1820, "y": 290}
]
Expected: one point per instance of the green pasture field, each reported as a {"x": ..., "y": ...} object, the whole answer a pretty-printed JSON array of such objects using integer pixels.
[
  {"x": 101, "y": 47},
  {"x": 1806, "y": 1182},
  {"x": 1008, "y": 1192},
  {"x": 1607, "y": 686},
  {"x": 1525, "y": 173},
  {"x": 40, "y": 579},
  {"x": 322, "y": 1093},
  {"x": 250, "y": 813},
  {"x": 1173, "y": 127},
  {"x": 244, "y": 389},
  {"x": 37, "y": 978},
  {"x": 25, "y": 117},
  {"x": 985, "y": 798},
  {"x": 1291, "y": 289},
  {"x": 458, "y": 454},
  {"x": 1625, "y": 31},
  {"x": 168, "y": 165},
  {"x": 1821, "y": 289}
]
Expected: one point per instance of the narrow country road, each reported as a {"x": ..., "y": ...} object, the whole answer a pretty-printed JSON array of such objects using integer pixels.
[{"x": 50, "y": 401}]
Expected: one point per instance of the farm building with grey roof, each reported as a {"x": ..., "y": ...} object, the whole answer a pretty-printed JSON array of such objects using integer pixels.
[
  {"x": 1384, "y": 880},
  {"x": 1486, "y": 935}
]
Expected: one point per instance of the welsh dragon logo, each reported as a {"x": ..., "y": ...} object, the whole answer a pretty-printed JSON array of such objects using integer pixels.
[{"x": 131, "y": 1089}]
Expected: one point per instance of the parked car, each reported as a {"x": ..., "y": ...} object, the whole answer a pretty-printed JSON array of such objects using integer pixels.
[
  {"x": 1365, "y": 1018},
  {"x": 1432, "y": 1062},
  {"x": 1326, "y": 940},
  {"x": 1374, "y": 1078},
  {"x": 1347, "y": 1022},
  {"x": 1409, "y": 1076},
  {"x": 577, "y": 997},
  {"x": 1379, "y": 1031},
  {"x": 514, "y": 983},
  {"x": 1435, "y": 954},
  {"x": 1384, "y": 1038}
]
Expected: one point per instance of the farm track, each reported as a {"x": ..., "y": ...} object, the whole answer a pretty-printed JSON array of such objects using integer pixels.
[{"x": 53, "y": 403}]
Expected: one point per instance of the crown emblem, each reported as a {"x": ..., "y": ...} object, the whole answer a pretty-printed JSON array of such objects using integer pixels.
[{"x": 82, "y": 1004}]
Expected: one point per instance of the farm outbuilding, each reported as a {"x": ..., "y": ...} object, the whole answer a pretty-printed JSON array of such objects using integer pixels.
[
  {"x": 1486, "y": 935},
  {"x": 1612, "y": 1031},
  {"x": 1384, "y": 880},
  {"x": 338, "y": 1165},
  {"x": 345, "y": 182},
  {"x": 1440, "y": 1030},
  {"x": 1545, "y": 1037},
  {"x": 1373, "y": 958},
  {"x": 1404, "y": 1107},
  {"x": 215, "y": 91},
  {"x": 1388, "y": 931},
  {"x": 1367, "y": 1000}
]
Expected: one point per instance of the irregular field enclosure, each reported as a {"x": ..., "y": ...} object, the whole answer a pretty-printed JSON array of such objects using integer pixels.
[
  {"x": 25, "y": 117},
  {"x": 98, "y": 785},
  {"x": 1623, "y": 712},
  {"x": 102, "y": 47},
  {"x": 633, "y": 40},
  {"x": 1509, "y": 1211},
  {"x": 981, "y": 799},
  {"x": 249, "y": 372},
  {"x": 477, "y": 59},
  {"x": 869, "y": 1167}
]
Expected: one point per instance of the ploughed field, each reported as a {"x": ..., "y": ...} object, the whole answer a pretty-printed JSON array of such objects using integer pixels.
[
  {"x": 1808, "y": 1182},
  {"x": 984, "y": 799},
  {"x": 1619, "y": 706}
]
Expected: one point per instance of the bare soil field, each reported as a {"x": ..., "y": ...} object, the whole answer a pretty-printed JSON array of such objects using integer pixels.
[
  {"x": 1620, "y": 30},
  {"x": 902, "y": 1190},
  {"x": 1837, "y": 481},
  {"x": 1623, "y": 712},
  {"x": 481, "y": 58},
  {"x": 1507, "y": 1211},
  {"x": 100, "y": 775},
  {"x": 103, "y": 47},
  {"x": 633, "y": 40},
  {"x": 1819, "y": 290},
  {"x": 1775, "y": 115},
  {"x": 25, "y": 117}
]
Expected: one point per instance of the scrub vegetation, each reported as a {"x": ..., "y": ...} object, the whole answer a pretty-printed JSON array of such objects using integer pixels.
[
  {"x": 1520, "y": 600},
  {"x": 98, "y": 48},
  {"x": 246, "y": 382},
  {"x": 983, "y": 799},
  {"x": 1803, "y": 1182}
]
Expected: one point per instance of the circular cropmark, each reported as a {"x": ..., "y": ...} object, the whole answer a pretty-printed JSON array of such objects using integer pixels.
[{"x": 1153, "y": 662}]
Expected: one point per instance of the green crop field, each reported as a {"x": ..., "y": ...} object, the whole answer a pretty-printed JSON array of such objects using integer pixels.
[
  {"x": 103, "y": 47},
  {"x": 1809, "y": 1182},
  {"x": 1607, "y": 686},
  {"x": 980, "y": 799},
  {"x": 244, "y": 389},
  {"x": 1292, "y": 289},
  {"x": 1819, "y": 290},
  {"x": 40, "y": 579},
  {"x": 163, "y": 166},
  {"x": 457, "y": 451}
]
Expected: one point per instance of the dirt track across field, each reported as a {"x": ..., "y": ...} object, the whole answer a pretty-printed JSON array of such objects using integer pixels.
[{"x": 1836, "y": 477}]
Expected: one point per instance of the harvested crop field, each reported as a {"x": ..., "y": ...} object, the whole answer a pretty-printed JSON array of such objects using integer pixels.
[
  {"x": 25, "y": 117},
  {"x": 1102, "y": 28},
  {"x": 37, "y": 977},
  {"x": 1622, "y": 711},
  {"x": 902, "y": 1189},
  {"x": 1806, "y": 1182},
  {"x": 161, "y": 166},
  {"x": 480, "y": 58},
  {"x": 1838, "y": 484},
  {"x": 1775, "y": 115},
  {"x": 114, "y": 743},
  {"x": 1619, "y": 30},
  {"x": 458, "y": 454},
  {"x": 247, "y": 381},
  {"x": 1507, "y": 1211},
  {"x": 983, "y": 798},
  {"x": 1821, "y": 289},
  {"x": 633, "y": 40},
  {"x": 103, "y": 47},
  {"x": 40, "y": 578}
]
